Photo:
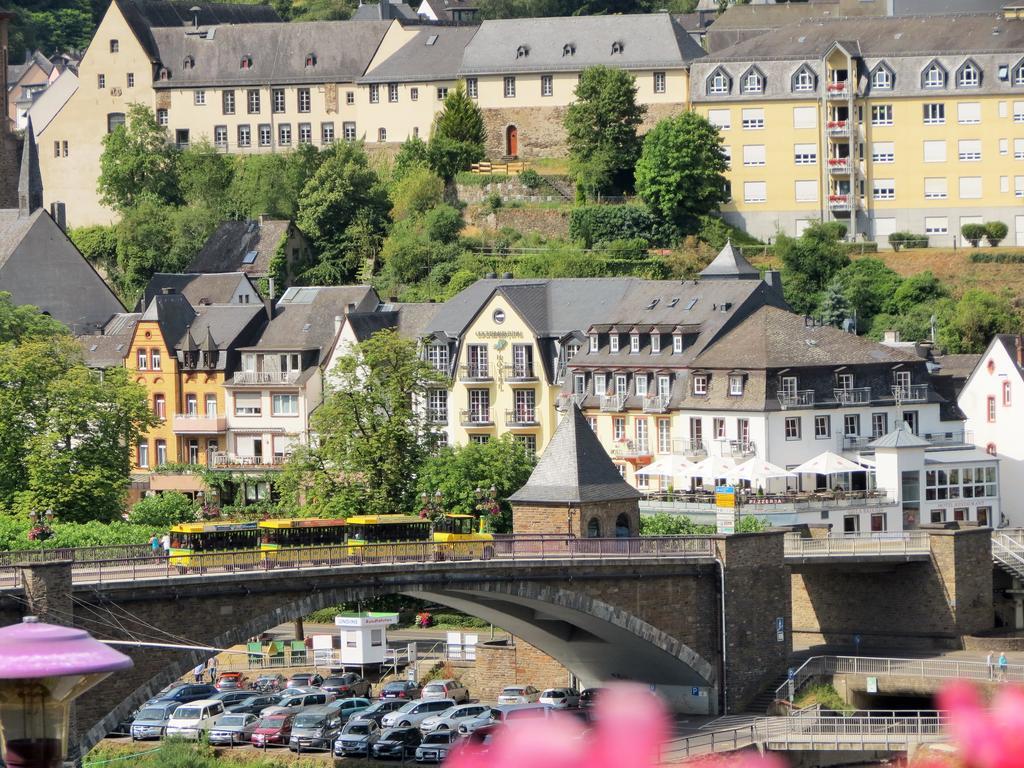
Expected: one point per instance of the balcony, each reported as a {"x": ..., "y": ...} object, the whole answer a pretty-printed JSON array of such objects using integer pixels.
[
  {"x": 237, "y": 461},
  {"x": 838, "y": 90},
  {"x": 910, "y": 393},
  {"x": 521, "y": 417},
  {"x": 565, "y": 399},
  {"x": 612, "y": 403},
  {"x": 523, "y": 372},
  {"x": 798, "y": 398},
  {"x": 949, "y": 438},
  {"x": 837, "y": 128},
  {"x": 787, "y": 508},
  {"x": 739, "y": 448},
  {"x": 842, "y": 202},
  {"x": 852, "y": 396},
  {"x": 475, "y": 372},
  {"x": 476, "y": 417},
  {"x": 656, "y": 403},
  {"x": 689, "y": 447},
  {"x": 856, "y": 442},
  {"x": 631, "y": 449},
  {"x": 194, "y": 424},
  {"x": 261, "y": 378},
  {"x": 839, "y": 166}
]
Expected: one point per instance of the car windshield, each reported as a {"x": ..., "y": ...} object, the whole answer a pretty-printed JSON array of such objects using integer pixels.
[
  {"x": 410, "y": 707},
  {"x": 553, "y": 694},
  {"x": 359, "y": 729},
  {"x": 152, "y": 713},
  {"x": 271, "y": 722},
  {"x": 187, "y": 713},
  {"x": 513, "y": 692},
  {"x": 309, "y": 721},
  {"x": 335, "y": 681},
  {"x": 395, "y": 687},
  {"x": 437, "y": 738},
  {"x": 231, "y": 720}
]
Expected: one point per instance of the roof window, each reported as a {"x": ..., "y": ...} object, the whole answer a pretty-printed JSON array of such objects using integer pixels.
[
  {"x": 617, "y": 47},
  {"x": 310, "y": 60},
  {"x": 522, "y": 51},
  {"x": 245, "y": 63},
  {"x": 432, "y": 39},
  {"x": 188, "y": 62},
  {"x": 569, "y": 49}
]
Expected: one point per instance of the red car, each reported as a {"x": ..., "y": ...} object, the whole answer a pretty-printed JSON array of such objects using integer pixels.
[
  {"x": 273, "y": 730},
  {"x": 231, "y": 681}
]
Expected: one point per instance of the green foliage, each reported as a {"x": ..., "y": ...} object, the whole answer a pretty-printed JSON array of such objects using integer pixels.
[
  {"x": 664, "y": 524},
  {"x": 973, "y": 233},
  {"x": 530, "y": 179},
  {"x": 834, "y": 307},
  {"x": 867, "y": 285},
  {"x": 623, "y": 248},
  {"x": 138, "y": 162},
  {"x": 50, "y": 26},
  {"x": 458, "y": 471},
  {"x": 268, "y": 184},
  {"x": 999, "y": 257},
  {"x": 995, "y": 232},
  {"x": 164, "y": 510},
  {"x": 97, "y": 243},
  {"x": 412, "y": 155},
  {"x": 145, "y": 236},
  {"x": 458, "y": 620},
  {"x": 592, "y": 224},
  {"x": 493, "y": 202},
  {"x": 975, "y": 319},
  {"x": 825, "y": 695},
  {"x": 600, "y": 127},
  {"x": 443, "y": 224},
  {"x": 915, "y": 291},
  {"x": 448, "y": 157},
  {"x": 907, "y": 240},
  {"x": 203, "y": 175},
  {"x": 681, "y": 171},
  {"x": 460, "y": 119},
  {"x": 409, "y": 254},
  {"x": 419, "y": 190},
  {"x": 811, "y": 261}
]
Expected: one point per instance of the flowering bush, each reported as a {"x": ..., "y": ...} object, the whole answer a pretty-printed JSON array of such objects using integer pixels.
[{"x": 424, "y": 619}]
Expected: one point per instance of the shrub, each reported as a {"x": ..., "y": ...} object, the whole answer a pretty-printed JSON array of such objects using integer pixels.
[
  {"x": 493, "y": 202},
  {"x": 162, "y": 511},
  {"x": 529, "y": 178},
  {"x": 907, "y": 240},
  {"x": 995, "y": 231},
  {"x": 999, "y": 257},
  {"x": 417, "y": 192},
  {"x": 459, "y": 620},
  {"x": 973, "y": 233},
  {"x": 603, "y": 223},
  {"x": 443, "y": 224},
  {"x": 634, "y": 248}
]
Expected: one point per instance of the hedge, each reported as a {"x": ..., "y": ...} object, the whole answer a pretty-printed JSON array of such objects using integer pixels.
[
  {"x": 592, "y": 224},
  {"x": 999, "y": 257}
]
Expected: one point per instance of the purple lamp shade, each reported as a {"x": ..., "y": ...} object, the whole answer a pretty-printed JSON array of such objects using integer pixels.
[{"x": 35, "y": 649}]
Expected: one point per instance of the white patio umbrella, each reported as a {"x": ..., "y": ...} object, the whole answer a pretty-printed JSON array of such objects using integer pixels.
[
  {"x": 667, "y": 466},
  {"x": 827, "y": 463},
  {"x": 757, "y": 469},
  {"x": 713, "y": 467}
]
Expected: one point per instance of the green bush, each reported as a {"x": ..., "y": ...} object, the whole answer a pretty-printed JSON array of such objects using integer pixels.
[
  {"x": 162, "y": 511},
  {"x": 973, "y": 233},
  {"x": 493, "y": 202},
  {"x": 529, "y": 178},
  {"x": 999, "y": 257},
  {"x": 459, "y": 620},
  {"x": 995, "y": 231},
  {"x": 97, "y": 243},
  {"x": 591, "y": 224},
  {"x": 443, "y": 224},
  {"x": 635, "y": 248},
  {"x": 907, "y": 240}
]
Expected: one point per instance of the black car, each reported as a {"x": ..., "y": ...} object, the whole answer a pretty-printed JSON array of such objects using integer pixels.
[
  {"x": 401, "y": 689},
  {"x": 185, "y": 692},
  {"x": 253, "y": 704},
  {"x": 589, "y": 697},
  {"x": 346, "y": 685},
  {"x": 397, "y": 742},
  {"x": 232, "y": 697},
  {"x": 380, "y": 708},
  {"x": 304, "y": 680}
]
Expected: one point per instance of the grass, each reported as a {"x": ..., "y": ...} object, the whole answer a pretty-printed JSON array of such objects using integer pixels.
[
  {"x": 825, "y": 695},
  {"x": 549, "y": 166},
  {"x": 955, "y": 269}
]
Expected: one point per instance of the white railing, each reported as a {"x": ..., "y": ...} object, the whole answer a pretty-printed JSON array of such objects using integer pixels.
[
  {"x": 223, "y": 459},
  {"x": 1008, "y": 550},
  {"x": 853, "y": 395},
  {"x": 612, "y": 402},
  {"x": 656, "y": 403},
  {"x": 910, "y": 393},
  {"x": 897, "y": 543},
  {"x": 566, "y": 399},
  {"x": 265, "y": 377},
  {"x": 796, "y": 398}
]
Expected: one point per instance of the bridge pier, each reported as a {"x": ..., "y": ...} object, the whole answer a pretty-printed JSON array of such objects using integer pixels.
[{"x": 48, "y": 592}]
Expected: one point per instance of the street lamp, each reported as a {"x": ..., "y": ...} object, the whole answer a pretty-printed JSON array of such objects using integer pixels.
[
  {"x": 43, "y": 668},
  {"x": 41, "y": 525}
]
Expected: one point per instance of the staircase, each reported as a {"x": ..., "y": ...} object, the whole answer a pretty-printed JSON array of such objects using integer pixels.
[
  {"x": 1008, "y": 552},
  {"x": 562, "y": 186},
  {"x": 760, "y": 703}
]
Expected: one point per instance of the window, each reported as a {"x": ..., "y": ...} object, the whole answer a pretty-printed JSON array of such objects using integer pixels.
[
  {"x": 56, "y": 149},
  {"x": 753, "y": 154},
  {"x": 101, "y": 81},
  {"x": 64, "y": 148},
  {"x": 142, "y": 360},
  {"x": 245, "y": 62},
  {"x": 755, "y": 191},
  {"x": 437, "y": 356},
  {"x": 594, "y": 342},
  {"x": 248, "y": 404},
  {"x": 936, "y": 225},
  {"x": 883, "y": 152},
  {"x": 700, "y": 384},
  {"x": 305, "y": 133},
  {"x": 659, "y": 82},
  {"x": 600, "y": 384},
  {"x": 265, "y": 135},
  {"x": 162, "y": 117},
  {"x": 718, "y": 428},
  {"x": 252, "y": 101},
  {"x": 697, "y": 431},
  {"x": 382, "y": 134},
  {"x": 753, "y": 82},
  {"x": 393, "y": 93},
  {"x": 963, "y": 483},
  {"x": 1018, "y": 186},
  {"x": 374, "y": 93},
  {"x": 510, "y": 87},
  {"x": 143, "y": 455},
  {"x": 1018, "y": 111},
  {"x": 634, "y": 342},
  {"x": 720, "y": 118},
  {"x": 284, "y": 405},
  {"x": 546, "y": 85},
  {"x": 677, "y": 344},
  {"x": 719, "y": 83},
  {"x": 326, "y": 133},
  {"x": 792, "y": 427},
  {"x": 851, "y": 424},
  {"x": 664, "y": 386},
  {"x": 879, "y": 424},
  {"x": 1018, "y": 74},
  {"x": 191, "y": 405},
  {"x": 664, "y": 435},
  {"x": 641, "y": 385},
  {"x": 1006, "y": 393},
  {"x": 655, "y": 342},
  {"x": 881, "y": 114},
  {"x": 805, "y": 154},
  {"x": 350, "y": 98},
  {"x": 934, "y": 76},
  {"x": 442, "y": 94},
  {"x": 115, "y": 46},
  {"x": 472, "y": 87},
  {"x": 991, "y": 408},
  {"x": 736, "y": 384},
  {"x": 437, "y": 405},
  {"x": 970, "y": 187},
  {"x": 613, "y": 342},
  {"x": 807, "y": 191},
  {"x": 968, "y": 112},
  {"x": 934, "y": 114},
  {"x": 883, "y": 189},
  {"x": 935, "y": 151},
  {"x": 211, "y": 405},
  {"x": 305, "y": 102},
  {"x": 805, "y": 117},
  {"x": 881, "y": 79},
  {"x": 161, "y": 452},
  {"x": 227, "y": 100},
  {"x": 753, "y": 119},
  {"x": 348, "y": 131},
  {"x": 969, "y": 150},
  {"x": 822, "y": 427},
  {"x": 220, "y": 136},
  {"x": 804, "y": 80},
  {"x": 199, "y": 98},
  {"x": 277, "y": 101},
  {"x": 116, "y": 119},
  {"x": 968, "y": 76},
  {"x": 284, "y": 135},
  {"x": 130, "y": 80},
  {"x": 618, "y": 428},
  {"x": 160, "y": 406},
  {"x": 1018, "y": 149}
]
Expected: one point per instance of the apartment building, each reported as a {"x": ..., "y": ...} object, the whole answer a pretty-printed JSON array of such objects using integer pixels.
[
  {"x": 202, "y": 288},
  {"x": 886, "y": 124}
]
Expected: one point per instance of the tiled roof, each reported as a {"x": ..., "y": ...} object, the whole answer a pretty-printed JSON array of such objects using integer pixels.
[
  {"x": 574, "y": 469},
  {"x": 240, "y": 246},
  {"x": 434, "y": 53},
  {"x": 214, "y": 288},
  {"x": 108, "y": 350},
  {"x": 900, "y": 437},
  {"x": 304, "y": 317}
]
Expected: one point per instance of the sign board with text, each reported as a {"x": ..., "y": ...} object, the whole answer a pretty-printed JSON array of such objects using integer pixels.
[{"x": 725, "y": 508}]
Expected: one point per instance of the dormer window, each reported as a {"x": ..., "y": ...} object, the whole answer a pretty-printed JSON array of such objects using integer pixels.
[
  {"x": 616, "y": 47},
  {"x": 1017, "y": 78},
  {"x": 569, "y": 49},
  {"x": 934, "y": 76},
  {"x": 719, "y": 83},
  {"x": 522, "y": 52},
  {"x": 613, "y": 342},
  {"x": 736, "y": 384},
  {"x": 804, "y": 80},
  {"x": 753, "y": 81},
  {"x": 700, "y": 384},
  {"x": 677, "y": 344},
  {"x": 968, "y": 76},
  {"x": 593, "y": 342},
  {"x": 634, "y": 342},
  {"x": 163, "y": 74},
  {"x": 188, "y": 62},
  {"x": 655, "y": 342},
  {"x": 310, "y": 60},
  {"x": 245, "y": 63},
  {"x": 641, "y": 385},
  {"x": 881, "y": 78}
]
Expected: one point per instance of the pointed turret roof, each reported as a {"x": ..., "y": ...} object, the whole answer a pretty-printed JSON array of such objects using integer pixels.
[
  {"x": 574, "y": 469},
  {"x": 730, "y": 264},
  {"x": 30, "y": 182},
  {"x": 900, "y": 437},
  {"x": 209, "y": 345},
  {"x": 190, "y": 343}
]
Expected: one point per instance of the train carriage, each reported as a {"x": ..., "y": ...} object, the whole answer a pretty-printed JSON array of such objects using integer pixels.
[
  {"x": 291, "y": 541},
  {"x": 200, "y": 546}
]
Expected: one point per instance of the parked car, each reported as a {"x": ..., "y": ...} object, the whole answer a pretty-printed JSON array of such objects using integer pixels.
[
  {"x": 445, "y": 689},
  {"x": 415, "y": 712},
  {"x": 503, "y": 713},
  {"x": 269, "y": 683},
  {"x": 233, "y": 729},
  {"x": 482, "y": 736},
  {"x": 295, "y": 702},
  {"x": 151, "y": 720},
  {"x": 304, "y": 680},
  {"x": 378, "y": 709},
  {"x": 357, "y": 738},
  {"x": 231, "y": 697},
  {"x": 449, "y": 719},
  {"x": 315, "y": 728},
  {"x": 273, "y": 730},
  {"x": 230, "y": 681},
  {"x": 518, "y": 694},
  {"x": 560, "y": 698},
  {"x": 348, "y": 684},
  {"x": 435, "y": 747},
  {"x": 194, "y": 719},
  {"x": 349, "y": 708},
  {"x": 253, "y": 704},
  {"x": 401, "y": 689},
  {"x": 184, "y": 693},
  {"x": 589, "y": 696},
  {"x": 396, "y": 742}
]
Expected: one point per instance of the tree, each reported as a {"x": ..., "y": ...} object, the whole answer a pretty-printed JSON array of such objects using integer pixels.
[
  {"x": 916, "y": 291},
  {"x": 342, "y": 207},
  {"x": 443, "y": 223},
  {"x": 504, "y": 464},
  {"x": 681, "y": 171},
  {"x": 974, "y": 320},
  {"x": 600, "y": 127},
  {"x": 834, "y": 308},
  {"x": 416, "y": 193},
  {"x": 460, "y": 119},
  {"x": 138, "y": 161},
  {"x": 811, "y": 261},
  {"x": 867, "y": 285},
  {"x": 373, "y": 433},
  {"x": 162, "y": 511},
  {"x": 411, "y": 156},
  {"x": 995, "y": 231},
  {"x": 97, "y": 243},
  {"x": 204, "y": 175},
  {"x": 448, "y": 157},
  {"x": 145, "y": 236},
  {"x": 973, "y": 233}
]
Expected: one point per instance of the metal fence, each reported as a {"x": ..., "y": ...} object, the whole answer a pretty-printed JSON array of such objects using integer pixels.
[
  {"x": 74, "y": 554},
  {"x": 902, "y": 543}
]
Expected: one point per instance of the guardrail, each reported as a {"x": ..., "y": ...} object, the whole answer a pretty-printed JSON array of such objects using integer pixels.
[
  {"x": 512, "y": 549},
  {"x": 1008, "y": 551},
  {"x": 74, "y": 554},
  {"x": 903, "y": 543}
]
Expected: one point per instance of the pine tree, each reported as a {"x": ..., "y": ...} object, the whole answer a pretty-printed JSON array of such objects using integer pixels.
[{"x": 834, "y": 307}]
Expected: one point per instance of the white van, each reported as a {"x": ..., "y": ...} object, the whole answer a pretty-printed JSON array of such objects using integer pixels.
[{"x": 195, "y": 719}]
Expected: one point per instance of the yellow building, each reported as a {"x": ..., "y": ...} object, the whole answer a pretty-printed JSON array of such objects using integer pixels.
[{"x": 873, "y": 122}]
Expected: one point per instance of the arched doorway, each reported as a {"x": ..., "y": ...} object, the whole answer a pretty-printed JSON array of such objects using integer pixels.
[
  {"x": 512, "y": 141},
  {"x": 594, "y": 528},
  {"x": 622, "y": 527}
]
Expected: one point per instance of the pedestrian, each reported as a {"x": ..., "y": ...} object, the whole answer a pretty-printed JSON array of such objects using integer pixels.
[
  {"x": 990, "y": 661},
  {"x": 211, "y": 668},
  {"x": 198, "y": 672},
  {"x": 154, "y": 544},
  {"x": 1003, "y": 664},
  {"x": 165, "y": 540}
]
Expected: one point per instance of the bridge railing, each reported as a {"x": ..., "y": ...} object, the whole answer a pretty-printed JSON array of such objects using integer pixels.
[
  {"x": 512, "y": 549},
  {"x": 901, "y": 543},
  {"x": 1008, "y": 550},
  {"x": 870, "y": 729},
  {"x": 74, "y": 554}
]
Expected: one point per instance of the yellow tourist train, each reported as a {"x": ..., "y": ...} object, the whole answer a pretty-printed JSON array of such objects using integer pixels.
[{"x": 288, "y": 541}]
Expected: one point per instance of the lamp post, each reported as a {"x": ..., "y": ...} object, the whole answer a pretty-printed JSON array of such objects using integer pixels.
[
  {"x": 41, "y": 529},
  {"x": 43, "y": 668},
  {"x": 432, "y": 507}
]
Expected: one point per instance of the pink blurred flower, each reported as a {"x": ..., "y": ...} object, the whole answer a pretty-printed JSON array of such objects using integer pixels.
[{"x": 986, "y": 736}]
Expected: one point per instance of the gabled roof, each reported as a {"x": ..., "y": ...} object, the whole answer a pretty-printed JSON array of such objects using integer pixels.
[
  {"x": 174, "y": 315},
  {"x": 108, "y": 349},
  {"x": 574, "y": 469},
  {"x": 240, "y": 246},
  {"x": 434, "y": 53},
  {"x": 408, "y": 320},
  {"x": 384, "y": 10},
  {"x": 220, "y": 328},
  {"x": 729, "y": 263},
  {"x": 304, "y": 318},
  {"x": 214, "y": 288},
  {"x": 52, "y": 100},
  {"x": 900, "y": 437}
]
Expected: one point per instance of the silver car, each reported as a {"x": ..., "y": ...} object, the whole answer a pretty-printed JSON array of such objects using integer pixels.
[
  {"x": 445, "y": 689},
  {"x": 560, "y": 698},
  {"x": 415, "y": 712},
  {"x": 435, "y": 747},
  {"x": 151, "y": 721},
  {"x": 356, "y": 738},
  {"x": 234, "y": 729},
  {"x": 449, "y": 719}
]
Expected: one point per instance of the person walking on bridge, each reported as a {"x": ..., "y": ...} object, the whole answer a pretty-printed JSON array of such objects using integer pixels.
[{"x": 1003, "y": 665}]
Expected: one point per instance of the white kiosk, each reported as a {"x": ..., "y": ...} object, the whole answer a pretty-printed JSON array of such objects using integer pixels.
[{"x": 364, "y": 638}]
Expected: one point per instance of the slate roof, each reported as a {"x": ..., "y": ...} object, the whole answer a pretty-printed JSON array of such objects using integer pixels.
[
  {"x": 444, "y": 9},
  {"x": 729, "y": 264},
  {"x": 219, "y": 327},
  {"x": 225, "y": 250},
  {"x": 574, "y": 469},
  {"x": 214, "y": 288},
  {"x": 384, "y": 10},
  {"x": 16, "y": 71},
  {"x": 775, "y": 338},
  {"x": 342, "y": 49},
  {"x": 408, "y": 320},
  {"x": 173, "y": 313},
  {"x": 365, "y": 324},
  {"x": 414, "y": 319},
  {"x": 900, "y": 437},
  {"x": 108, "y": 350},
  {"x": 52, "y": 100},
  {"x": 417, "y": 61},
  {"x": 304, "y": 317},
  {"x": 652, "y": 40},
  {"x": 957, "y": 366}
]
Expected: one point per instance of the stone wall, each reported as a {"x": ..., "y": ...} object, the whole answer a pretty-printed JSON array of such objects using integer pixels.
[
  {"x": 9, "y": 167},
  {"x": 575, "y": 520},
  {"x": 552, "y": 223},
  {"x": 510, "y": 189},
  {"x": 501, "y": 663}
]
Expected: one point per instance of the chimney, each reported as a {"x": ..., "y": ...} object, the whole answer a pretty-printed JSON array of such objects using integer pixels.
[
  {"x": 168, "y": 291},
  {"x": 506, "y": 275},
  {"x": 194, "y": 10},
  {"x": 350, "y": 308},
  {"x": 773, "y": 279},
  {"x": 270, "y": 288},
  {"x": 261, "y": 220},
  {"x": 1020, "y": 351},
  {"x": 891, "y": 337},
  {"x": 59, "y": 214},
  {"x": 268, "y": 307},
  {"x": 392, "y": 299}
]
